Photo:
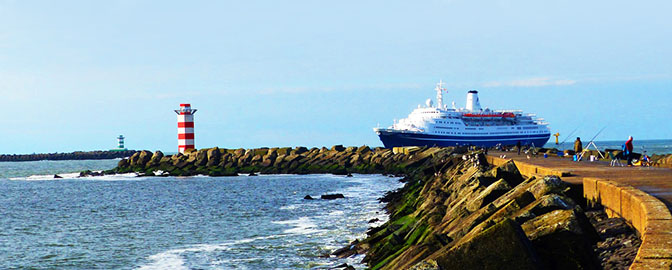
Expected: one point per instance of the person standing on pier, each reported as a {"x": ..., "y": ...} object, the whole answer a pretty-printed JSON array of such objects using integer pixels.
[
  {"x": 628, "y": 149},
  {"x": 518, "y": 146},
  {"x": 578, "y": 146}
]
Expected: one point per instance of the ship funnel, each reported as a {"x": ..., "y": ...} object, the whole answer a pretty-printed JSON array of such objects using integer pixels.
[{"x": 472, "y": 101}]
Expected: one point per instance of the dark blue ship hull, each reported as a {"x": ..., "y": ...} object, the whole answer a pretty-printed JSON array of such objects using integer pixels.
[{"x": 397, "y": 139}]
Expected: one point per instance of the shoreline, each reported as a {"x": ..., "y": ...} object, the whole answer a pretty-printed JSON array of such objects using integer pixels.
[
  {"x": 77, "y": 155},
  {"x": 420, "y": 166}
]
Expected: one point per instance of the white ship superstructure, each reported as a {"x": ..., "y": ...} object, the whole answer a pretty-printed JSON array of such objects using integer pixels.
[{"x": 438, "y": 125}]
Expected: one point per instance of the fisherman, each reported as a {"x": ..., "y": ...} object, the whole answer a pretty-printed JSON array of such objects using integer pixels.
[
  {"x": 578, "y": 146},
  {"x": 518, "y": 146},
  {"x": 628, "y": 149}
]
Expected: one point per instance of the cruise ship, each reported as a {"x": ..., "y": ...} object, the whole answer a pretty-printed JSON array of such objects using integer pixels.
[{"x": 439, "y": 125}]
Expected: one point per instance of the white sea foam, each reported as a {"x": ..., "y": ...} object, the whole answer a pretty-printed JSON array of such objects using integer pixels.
[
  {"x": 336, "y": 213},
  {"x": 303, "y": 225},
  {"x": 44, "y": 177},
  {"x": 290, "y": 207},
  {"x": 114, "y": 177},
  {"x": 165, "y": 260},
  {"x": 174, "y": 259},
  {"x": 359, "y": 211}
]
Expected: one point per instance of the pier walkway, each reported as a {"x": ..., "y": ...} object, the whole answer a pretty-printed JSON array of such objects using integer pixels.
[
  {"x": 640, "y": 195},
  {"x": 652, "y": 180}
]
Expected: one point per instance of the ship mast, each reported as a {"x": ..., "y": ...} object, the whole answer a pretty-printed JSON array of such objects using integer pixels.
[{"x": 439, "y": 94}]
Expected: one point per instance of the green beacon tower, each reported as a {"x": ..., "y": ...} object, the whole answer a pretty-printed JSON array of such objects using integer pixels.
[{"x": 120, "y": 144}]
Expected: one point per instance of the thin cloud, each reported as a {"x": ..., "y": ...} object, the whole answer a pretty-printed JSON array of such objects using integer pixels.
[
  {"x": 352, "y": 87},
  {"x": 531, "y": 82}
]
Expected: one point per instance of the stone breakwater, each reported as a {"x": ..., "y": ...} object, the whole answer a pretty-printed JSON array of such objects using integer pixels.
[
  {"x": 662, "y": 160},
  {"x": 300, "y": 160},
  {"x": 78, "y": 155},
  {"x": 455, "y": 211},
  {"x": 469, "y": 215}
]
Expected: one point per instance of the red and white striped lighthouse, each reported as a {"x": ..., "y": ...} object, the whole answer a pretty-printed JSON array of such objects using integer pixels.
[{"x": 185, "y": 127}]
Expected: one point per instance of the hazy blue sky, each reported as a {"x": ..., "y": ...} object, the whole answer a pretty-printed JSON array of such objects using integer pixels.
[{"x": 75, "y": 74}]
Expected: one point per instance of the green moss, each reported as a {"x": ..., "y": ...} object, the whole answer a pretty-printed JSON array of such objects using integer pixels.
[
  {"x": 176, "y": 172},
  {"x": 416, "y": 234},
  {"x": 389, "y": 258}
]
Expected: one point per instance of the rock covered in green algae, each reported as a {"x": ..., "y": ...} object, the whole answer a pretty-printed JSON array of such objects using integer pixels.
[
  {"x": 502, "y": 246},
  {"x": 560, "y": 237},
  {"x": 447, "y": 202},
  {"x": 437, "y": 213},
  {"x": 300, "y": 160},
  {"x": 155, "y": 159}
]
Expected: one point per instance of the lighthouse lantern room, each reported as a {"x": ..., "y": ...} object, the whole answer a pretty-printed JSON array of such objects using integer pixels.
[{"x": 185, "y": 128}]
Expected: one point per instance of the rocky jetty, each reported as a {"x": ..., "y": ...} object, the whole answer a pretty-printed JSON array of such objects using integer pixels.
[
  {"x": 662, "y": 160},
  {"x": 454, "y": 212},
  {"x": 299, "y": 160},
  {"x": 78, "y": 155},
  {"x": 469, "y": 215}
]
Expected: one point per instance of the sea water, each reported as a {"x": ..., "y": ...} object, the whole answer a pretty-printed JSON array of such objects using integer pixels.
[
  {"x": 126, "y": 222},
  {"x": 651, "y": 147}
]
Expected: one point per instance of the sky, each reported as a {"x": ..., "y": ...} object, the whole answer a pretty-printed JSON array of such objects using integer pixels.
[{"x": 76, "y": 74}]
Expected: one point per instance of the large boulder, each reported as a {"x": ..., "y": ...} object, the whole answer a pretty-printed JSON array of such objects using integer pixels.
[
  {"x": 548, "y": 185},
  {"x": 123, "y": 163},
  {"x": 502, "y": 246},
  {"x": 332, "y": 196},
  {"x": 363, "y": 150},
  {"x": 338, "y": 148},
  {"x": 269, "y": 158},
  {"x": 180, "y": 161},
  {"x": 256, "y": 159},
  {"x": 239, "y": 152},
  {"x": 488, "y": 195},
  {"x": 213, "y": 156},
  {"x": 155, "y": 160},
  {"x": 299, "y": 150},
  {"x": 543, "y": 205},
  {"x": 140, "y": 159},
  {"x": 201, "y": 157},
  {"x": 564, "y": 239},
  {"x": 507, "y": 171}
]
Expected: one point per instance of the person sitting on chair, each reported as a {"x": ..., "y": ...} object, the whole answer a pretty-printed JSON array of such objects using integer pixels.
[
  {"x": 629, "y": 147},
  {"x": 645, "y": 160}
]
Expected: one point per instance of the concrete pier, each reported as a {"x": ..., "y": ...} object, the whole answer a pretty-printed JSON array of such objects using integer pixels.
[{"x": 640, "y": 195}]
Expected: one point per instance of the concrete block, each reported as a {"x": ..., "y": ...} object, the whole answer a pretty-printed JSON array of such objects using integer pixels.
[
  {"x": 655, "y": 246},
  {"x": 627, "y": 204},
  {"x": 656, "y": 210},
  {"x": 590, "y": 189},
  {"x": 526, "y": 169},
  {"x": 650, "y": 264},
  {"x": 658, "y": 226},
  {"x": 609, "y": 195},
  {"x": 639, "y": 201}
]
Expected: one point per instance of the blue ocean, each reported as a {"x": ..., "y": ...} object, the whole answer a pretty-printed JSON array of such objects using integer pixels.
[
  {"x": 126, "y": 222},
  {"x": 651, "y": 147}
]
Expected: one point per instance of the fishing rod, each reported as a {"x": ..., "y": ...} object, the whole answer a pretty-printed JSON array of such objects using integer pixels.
[
  {"x": 598, "y": 134},
  {"x": 570, "y": 135},
  {"x": 592, "y": 142}
]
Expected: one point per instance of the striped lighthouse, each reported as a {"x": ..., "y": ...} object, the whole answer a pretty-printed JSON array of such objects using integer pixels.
[{"x": 185, "y": 127}]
